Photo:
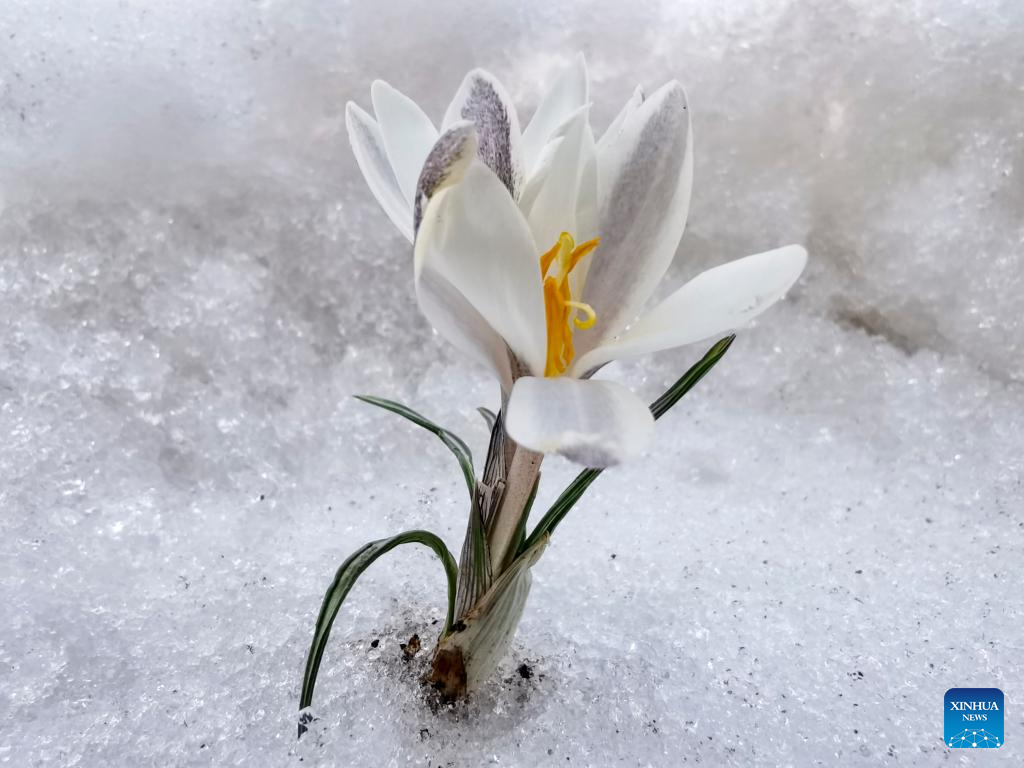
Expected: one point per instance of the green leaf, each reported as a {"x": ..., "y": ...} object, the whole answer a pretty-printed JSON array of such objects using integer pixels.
[
  {"x": 689, "y": 379},
  {"x": 561, "y": 507},
  {"x": 454, "y": 443},
  {"x": 343, "y": 582},
  {"x": 489, "y": 417},
  {"x": 659, "y": 407}
]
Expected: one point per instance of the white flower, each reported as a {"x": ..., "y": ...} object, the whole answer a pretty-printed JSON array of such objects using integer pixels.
[{"x": 536, "y": 250}]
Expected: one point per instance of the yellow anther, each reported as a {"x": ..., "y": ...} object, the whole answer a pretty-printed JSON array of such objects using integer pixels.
[{"x": 559, "y": 308}]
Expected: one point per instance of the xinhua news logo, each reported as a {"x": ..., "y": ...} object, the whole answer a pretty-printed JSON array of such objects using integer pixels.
[{"x": 974, "y": 718}]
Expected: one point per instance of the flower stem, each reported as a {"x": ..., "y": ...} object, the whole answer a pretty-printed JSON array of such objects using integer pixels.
[{"x": 519, "y": 483}]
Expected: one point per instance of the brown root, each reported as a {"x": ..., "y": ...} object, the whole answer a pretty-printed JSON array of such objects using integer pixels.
[{"x": 448, "y": 673}]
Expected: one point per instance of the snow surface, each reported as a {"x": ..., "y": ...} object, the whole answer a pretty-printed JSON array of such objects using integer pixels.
[{"x": 826, "y": 535}]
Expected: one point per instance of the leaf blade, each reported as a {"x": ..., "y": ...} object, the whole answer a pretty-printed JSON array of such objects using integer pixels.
[
  {"x": 489, "y": 416},
  {"x": 345, "y": 579},
  {"x": 694, "y": 374},
  {"x": 453, "y": 442}
]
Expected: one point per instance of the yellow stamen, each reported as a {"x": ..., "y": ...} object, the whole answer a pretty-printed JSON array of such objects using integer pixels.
[
  {"x": 585, "y": 309},
  {"x": 559, "y": 307}
]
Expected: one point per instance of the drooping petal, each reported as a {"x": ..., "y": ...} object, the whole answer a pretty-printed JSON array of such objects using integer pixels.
[
  {"x": 644, "y": 176},
  {"x": 446, "y": 164},
  {"x": 368, "y": 146},
  {"x": 714, "y": 302},
  {"x": 552, "y": 207},
  {"x": 408, "y": 134},
  {"x": 482, "y": 99},
  {"x": 568, "y": 93},
  {"x": 473, "y": 237},
  {"x": 594, "y": 423}
]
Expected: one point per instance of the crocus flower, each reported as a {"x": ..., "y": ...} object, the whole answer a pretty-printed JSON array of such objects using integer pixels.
[{"x": 537, "y": 250}]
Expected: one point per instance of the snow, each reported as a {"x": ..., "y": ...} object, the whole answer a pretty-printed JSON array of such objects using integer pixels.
[{"x": 824, "y": 537}]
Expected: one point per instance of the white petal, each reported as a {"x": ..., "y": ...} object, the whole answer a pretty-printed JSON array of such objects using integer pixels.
[
  {"x": 483, "y": 100},
  {"x": 407, "y": 131},
  {"x": 594, "y": 423},
  {"x": 474, "y": 237},
  {"x": 552, "y": 209},
  {"x": 644, "y": 177},
  {"x": 566, "y": 95},
  {"x": 714, "y": 302},
  {"x": 442, "y": 304},
  {"x": 611, "y": 134},
  {"x": 536, "y": 182},
  {"x": 452, "y": 315},
  {"x": 368, "y": 146},
  {"x": 446, "y": 164},
  {"x": 586, "y": 209}
]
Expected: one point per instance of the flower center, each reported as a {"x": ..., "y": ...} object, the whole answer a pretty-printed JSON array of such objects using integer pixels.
[{"x": 559, "y": 308}]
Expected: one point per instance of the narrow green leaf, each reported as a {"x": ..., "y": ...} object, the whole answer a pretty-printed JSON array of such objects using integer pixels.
[
  {"x": 659, "y": 407},
  {"x": 689, "y": 379},
  {"x": 562, "y": 505},
  {"x": 345, "y": 578},
  {"x": 454, "y": 443},
  {"x": 489, "y": 417}
]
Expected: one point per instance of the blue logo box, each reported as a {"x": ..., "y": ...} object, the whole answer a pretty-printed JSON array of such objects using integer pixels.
[{"x": 974, "y": 718}]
